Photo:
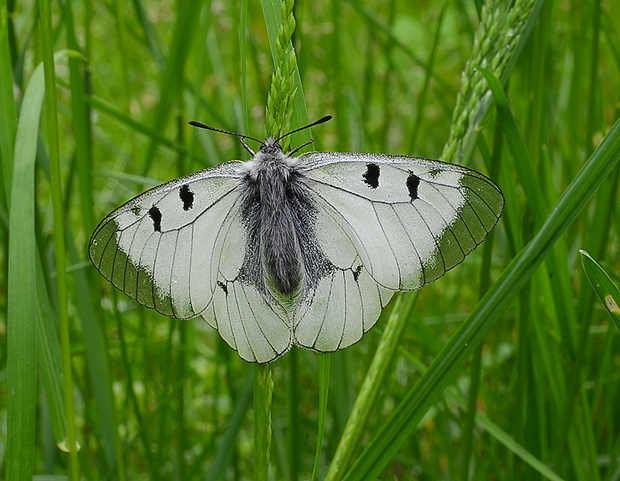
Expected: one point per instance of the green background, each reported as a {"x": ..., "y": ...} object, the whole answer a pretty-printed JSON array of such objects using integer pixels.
[{"x": 505, "y": 368}]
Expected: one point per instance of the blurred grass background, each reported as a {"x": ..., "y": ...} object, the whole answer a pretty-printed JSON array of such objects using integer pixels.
[{"x": 156, "y": 398}]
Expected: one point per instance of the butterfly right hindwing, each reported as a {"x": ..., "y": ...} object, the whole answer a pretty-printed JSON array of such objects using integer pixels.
[{"x": 344, "y": 305}]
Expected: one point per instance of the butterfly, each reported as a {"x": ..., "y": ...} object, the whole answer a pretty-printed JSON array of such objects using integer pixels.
[{"x": 282, "y": 250}]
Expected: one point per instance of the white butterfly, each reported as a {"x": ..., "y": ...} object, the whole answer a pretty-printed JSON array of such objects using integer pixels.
[{"x": 280, "y": 251}]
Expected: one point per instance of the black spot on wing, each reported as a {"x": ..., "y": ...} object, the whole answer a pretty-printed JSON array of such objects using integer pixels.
[
  {"x": 371, "y": 176},
  {"x": 187, "y": 196},
  {"x": 155, "y": 215},
  {"x": 223, "y": 287},
  {"x": 413, "y": 181},
  {"x": 357, "y": 272}
]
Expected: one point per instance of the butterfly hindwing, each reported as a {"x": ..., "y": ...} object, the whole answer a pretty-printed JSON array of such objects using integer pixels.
[
  {"x": 343, "y": 307},
  {"x": 257, "y": 329},
  {"x": 247, "y": 316}
]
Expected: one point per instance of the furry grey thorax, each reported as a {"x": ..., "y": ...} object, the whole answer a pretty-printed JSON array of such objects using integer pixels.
[{"x": 279, "y": 217}]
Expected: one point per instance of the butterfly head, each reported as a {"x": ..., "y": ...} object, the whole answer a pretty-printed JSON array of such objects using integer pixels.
[{"x": 271, "y": 146}]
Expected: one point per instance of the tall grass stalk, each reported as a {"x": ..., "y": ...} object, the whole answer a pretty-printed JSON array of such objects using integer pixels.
[
  {"x": 21, "y": 359},
  {"x": 53, "y": 140},
  {"x": 278, "y": 115}
]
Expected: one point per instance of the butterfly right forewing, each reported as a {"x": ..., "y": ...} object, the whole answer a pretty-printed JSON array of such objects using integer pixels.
[
  {"x": 385, "y": 223},
  {"x": 411, "y": 219}
]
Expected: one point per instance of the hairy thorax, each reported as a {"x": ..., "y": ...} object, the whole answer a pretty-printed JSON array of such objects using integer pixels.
[{"x": 274, "y": 203}]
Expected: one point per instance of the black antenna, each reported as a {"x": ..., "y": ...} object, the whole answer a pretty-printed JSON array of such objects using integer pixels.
[
  {"x": 243, "y": 136},
  {"x": 316, "y": 122},
  {"x": 207, "y": 127}
]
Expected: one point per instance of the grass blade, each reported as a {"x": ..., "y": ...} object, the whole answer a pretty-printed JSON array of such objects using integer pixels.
[
  {"x": 225, "y": 449},
  {"x": 171, "y": 90},
  {"x": 273, "y": 20},
  {"x": 607, "y": 292},
  {"x": 369, "y": 392},
  {"x": 324, "y": 363},
  {"x": 60, "y": 257},
  {"x": 7, "y": 107},
  {"x": 263, "y": 392},
  {"x": 49, "y": 361},
  {"x": 21, "y": 356}
]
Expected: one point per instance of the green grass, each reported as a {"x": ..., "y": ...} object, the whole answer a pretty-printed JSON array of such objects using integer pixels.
[{"x": 505, "y": 368}]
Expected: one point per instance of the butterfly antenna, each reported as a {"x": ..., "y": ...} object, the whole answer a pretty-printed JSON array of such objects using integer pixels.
[
  {"x": 242, "y": 136},
  {"x": 316, "y": 122}
]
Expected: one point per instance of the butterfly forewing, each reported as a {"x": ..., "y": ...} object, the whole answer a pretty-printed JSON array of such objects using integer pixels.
[
  {"x": 180, "y": 248},
  {"x": 147, "y": 248},
  {"x": 410, "y": 219}
]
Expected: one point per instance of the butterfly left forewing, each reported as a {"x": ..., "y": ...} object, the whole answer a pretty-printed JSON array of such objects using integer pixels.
[{"x": 181, "y": 248}]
